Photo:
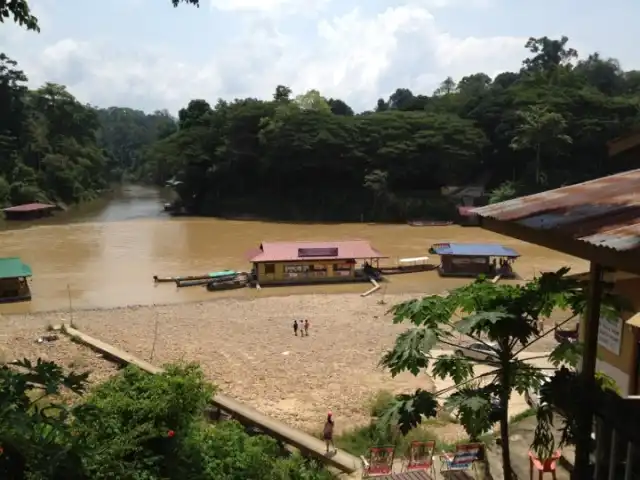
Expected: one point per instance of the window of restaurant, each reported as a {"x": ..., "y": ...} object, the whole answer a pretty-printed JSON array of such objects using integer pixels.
[
  {"x": 269, "y": 268},
  {"x": 306, "y": 271},
  {"x": 342, "y": 269}
]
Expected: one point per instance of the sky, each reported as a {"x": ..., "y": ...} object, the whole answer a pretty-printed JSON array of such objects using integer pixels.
[{"x": 147, "y": 55}]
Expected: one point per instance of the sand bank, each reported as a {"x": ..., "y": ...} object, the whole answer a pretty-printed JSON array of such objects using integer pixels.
[{"x": 248, "y": 349}]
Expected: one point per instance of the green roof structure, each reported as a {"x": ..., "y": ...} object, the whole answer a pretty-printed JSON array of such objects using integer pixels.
[{"x": 13, "y": 267}]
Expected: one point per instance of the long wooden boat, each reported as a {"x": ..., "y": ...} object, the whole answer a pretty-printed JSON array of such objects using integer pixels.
[
  {"x": 408, "y": 265},
  {"x": 240, "y": 281},
  {"x": 429, "y": 223},
  {"x": 223, "y": 275},
  {"x": 187, "y": 278}
]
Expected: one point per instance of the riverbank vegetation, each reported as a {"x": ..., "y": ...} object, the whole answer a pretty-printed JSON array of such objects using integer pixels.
[
  {"x": 308, "y": 157},
  {"x": 133, "y": 426}
]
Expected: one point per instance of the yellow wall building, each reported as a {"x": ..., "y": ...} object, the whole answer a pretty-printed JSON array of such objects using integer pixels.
[{"x": 290, "y": 263}]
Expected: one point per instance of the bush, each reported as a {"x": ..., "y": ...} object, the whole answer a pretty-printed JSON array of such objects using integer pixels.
[
  {"x": 140, "y": 415},
  {"x": 226, "y": 452},
  {"x": 359, "y": 440},
  {"x": 135, "y": 426},
  {"x": 36, "y": 439},
  {"x": 381, "y": 402}
]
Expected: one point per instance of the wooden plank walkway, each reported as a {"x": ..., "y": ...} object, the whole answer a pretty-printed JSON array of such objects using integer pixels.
[{"x": 307, "y": 444}]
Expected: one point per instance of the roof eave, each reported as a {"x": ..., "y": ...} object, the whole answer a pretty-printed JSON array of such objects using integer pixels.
[
  {"x": 307, "y": 259},
  {"x": 622, "y": 260}
]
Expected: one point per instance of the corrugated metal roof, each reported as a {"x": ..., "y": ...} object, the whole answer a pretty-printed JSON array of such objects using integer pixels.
[
  {"x": 290, "y": 251},
  {"x": 603, "y": 212},
  {"x": 12, "y": 267},
  {"x": 473, "y": 250}
]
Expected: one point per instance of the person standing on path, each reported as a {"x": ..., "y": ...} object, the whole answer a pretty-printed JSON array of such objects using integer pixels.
[
  {"x": 327, "y": 432},
  {"x": 295, "y": 328},
  {"x": 306, "y": 328}
]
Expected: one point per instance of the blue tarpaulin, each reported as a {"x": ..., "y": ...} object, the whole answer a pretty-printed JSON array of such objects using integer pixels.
[{"x": 473, "y": 250}]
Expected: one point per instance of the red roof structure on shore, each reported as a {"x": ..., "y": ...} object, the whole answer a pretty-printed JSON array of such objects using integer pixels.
[
  {"x": 297, "y": 251},
  {"x": 466, "y": 211},
  {"x": 29, "y": 207}
]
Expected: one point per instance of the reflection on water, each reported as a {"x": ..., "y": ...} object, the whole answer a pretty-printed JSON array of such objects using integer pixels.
[{"x": 106, "y": 255}]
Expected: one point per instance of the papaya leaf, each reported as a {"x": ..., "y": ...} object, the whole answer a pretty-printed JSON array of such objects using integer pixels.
[
  {"x": 566, "y": 353},
  {"x": 408, "y": 410},
  {"x": 455, "y": 367},
  {"x": 411, "y": 351},
  {"x": 474, "y": 322}
]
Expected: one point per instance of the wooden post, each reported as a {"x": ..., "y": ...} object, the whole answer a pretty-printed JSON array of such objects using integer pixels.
[
  {"x": 70, "y": 305},
  {"x": 588, "y": 371}
]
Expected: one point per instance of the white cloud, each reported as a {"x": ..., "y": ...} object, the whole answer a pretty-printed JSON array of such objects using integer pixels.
[
  {"x": 282, "y": 7},
  {"x": 357, "y": 56}
]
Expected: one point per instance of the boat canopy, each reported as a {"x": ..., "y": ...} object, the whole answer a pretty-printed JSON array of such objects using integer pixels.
[
  {"x": 414, "y": 259},
  {"x": 223, "y": 273}
]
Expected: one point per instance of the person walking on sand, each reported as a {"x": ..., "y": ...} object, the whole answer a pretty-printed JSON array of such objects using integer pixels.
[
  {"x": 295, "y": 328},
  {"x": 306, "y": 328},
  {"x": 327, "y": 432}
]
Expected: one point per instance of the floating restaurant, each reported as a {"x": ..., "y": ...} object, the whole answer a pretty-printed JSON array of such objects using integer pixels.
[
  {"x": 14, "y": 286},
  {"x": 29, "y": 211},
  {"x": 473, "y": 259},
  {"x": 291, "y": 263}
]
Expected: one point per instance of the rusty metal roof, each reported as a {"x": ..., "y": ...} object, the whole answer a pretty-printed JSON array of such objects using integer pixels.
[
  {"x": 336, "y": 250},
  {"x": 603, "y": 212}
]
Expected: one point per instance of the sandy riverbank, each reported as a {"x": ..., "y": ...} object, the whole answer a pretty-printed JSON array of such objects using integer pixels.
[{"x": 247, "y": 347}]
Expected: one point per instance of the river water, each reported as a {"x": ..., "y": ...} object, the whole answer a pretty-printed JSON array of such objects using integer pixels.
[{"x": 105, "y": 254}]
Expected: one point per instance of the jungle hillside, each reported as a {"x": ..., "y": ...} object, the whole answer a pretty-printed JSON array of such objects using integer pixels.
[{"x": 306, "y": 157}]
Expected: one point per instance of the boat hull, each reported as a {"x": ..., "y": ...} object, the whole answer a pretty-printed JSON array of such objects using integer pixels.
[
  {"x": 181, "y": 279},
  {"x": 205, "y": 281}
]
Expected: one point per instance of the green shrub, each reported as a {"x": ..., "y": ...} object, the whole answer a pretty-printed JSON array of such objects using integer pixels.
[
  {"x": 359, "y": 440},
  {"x": 36, "y": 438},
  {"x": 140, "y": 417},
  {"x": 381, "y": 402},
  {"x": 225, "y": 452},
  {"x": 135, "y": 426}
]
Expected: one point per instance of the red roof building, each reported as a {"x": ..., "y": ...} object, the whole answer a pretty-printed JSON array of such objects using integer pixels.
[
  {"x": 29, "y": 207},
  {"x": 298, "y": 251}
]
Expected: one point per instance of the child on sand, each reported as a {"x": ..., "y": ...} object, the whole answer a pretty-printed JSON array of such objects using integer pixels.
[
  {"x": 327, "y": 432},
  {"x": 295, "y": 328},
  {"x": 306, "y": 328}
]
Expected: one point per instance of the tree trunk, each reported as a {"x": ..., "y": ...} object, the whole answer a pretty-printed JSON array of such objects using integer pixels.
[
  {"x": 505, "y": 393},
  {"x": 504, "y": 439},
  {"x": 538, "y": 164}
]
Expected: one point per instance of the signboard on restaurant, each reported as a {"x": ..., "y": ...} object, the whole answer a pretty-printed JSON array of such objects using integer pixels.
[{"x": 610, "y": 334}]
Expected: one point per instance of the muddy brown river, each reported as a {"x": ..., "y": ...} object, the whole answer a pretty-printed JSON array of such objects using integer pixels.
[{"x": 105, "y": 254}]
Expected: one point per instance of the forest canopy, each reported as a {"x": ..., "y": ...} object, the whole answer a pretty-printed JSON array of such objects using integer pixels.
[{"x": 309, "y": 157}]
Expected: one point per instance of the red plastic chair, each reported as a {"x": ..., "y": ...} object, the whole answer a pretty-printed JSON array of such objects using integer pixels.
[
  {"x": 380, "y": 462},
  {"x": 548, "y": 466},
  {"x": 420, "y": 457}
]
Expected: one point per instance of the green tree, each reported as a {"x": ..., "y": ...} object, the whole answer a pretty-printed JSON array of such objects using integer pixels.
[
  {"x": 542, "y": 131},
  {"x": 306, "y": 157},
  {"x": 503, "y": 317},
  {"x": 447, "y": 87},
  {"x": 282, "y": 94},
  {"x": 19, "y": 12},
  {"x": 312, "y": 100}
]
